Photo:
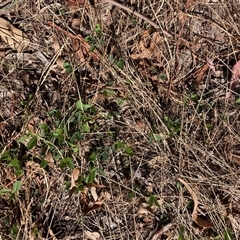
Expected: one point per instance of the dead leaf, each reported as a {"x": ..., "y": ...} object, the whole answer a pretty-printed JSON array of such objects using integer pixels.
[
  {"x": 74, "y": 178},
  {"x": 96, "y": 205},
  {"x": 197, "y": 219},
  {"x": 96, "y": 185},
  {"x": 160, "y": 232},
  {"x": 201, "y": 73},
  {"x": 49, "y": 159},
  {"x": 91, "y": 235},
  {"x": 148, "y": 46},
  {"x": 58, "y": 49},
  {"x": 80, "y": 46},
  {"x": 235, "y": 75},
  {"x": 13, "y": 36},
  {"x": 74, "y": 4},
  {"x": 94, "y": 193},
  {"x": 211, "y": 65},
  {"x": 75, "y": 174}
]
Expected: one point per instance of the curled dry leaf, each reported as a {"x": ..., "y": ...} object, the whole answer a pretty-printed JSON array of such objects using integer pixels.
[
  {"x": 91, "y": 235},
  {"x": 160, "y": 232},
  {"x": 197, "y": 219},
  {"x": 74, "y": 4},
  {"x": 96, "y": 205},
  {"x": 74, "y": 178},
  {"x": 203, "y": 70},
  {"x": 13, "y": 36},
  {"x": 234, "y": 79},
  {"x": 235, "y": 75},
  {"x": 201, "y": 74},
  {"x": 148, "y": 50},
  {"x": 80, "y": 46}
]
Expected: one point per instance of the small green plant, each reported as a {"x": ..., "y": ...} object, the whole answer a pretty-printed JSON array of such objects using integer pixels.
[
  {"x": 68, "y": 67},
  {"x": 120, "y": 63},
  {"x": 120, "y": 145},
  {"x": 98, "y": 28},
  {"x": 155, "y": 137},
  {"x": 173, "y": 126},
  {"x": 14, "y": 231},
  {"x": 153, "y": 201},
  {"x": 181, "y": 233},
  {"x": 238, "y": 100},
  {"x": 12, "y": 161},
  {"x": 97, "y": 40},
  {"x": 228, "y": 235},
  {"x": 11, "y": 192}
]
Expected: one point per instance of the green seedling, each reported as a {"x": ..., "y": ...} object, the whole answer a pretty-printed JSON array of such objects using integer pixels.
[
  {"x": 173, "y": 126},
  {"x": 68, "y": 67},
  {"x": 153, "y": 201},
  {"x": 120, "y": 63}
]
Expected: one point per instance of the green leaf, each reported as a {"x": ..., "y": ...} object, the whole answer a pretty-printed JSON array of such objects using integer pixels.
[
  {"x": 238, "y": 100},
  {"x": 91, "y": 176},
  {"x": 79, "y": 105},
  {"x": 86, "y": 106},
  {"x": 22, "y": 139},
  {"x": 108, "y": 93},
  {"x": 93, "y": 156},
  {"x": 4, "y": 191},
  {"x": 119, "y": 145},
  {"x": 228, "y": 235},
  {"x": 43, "y": 163},
  {"x": 32, "y": 142},
  {"x": 14, "y": 163},
  {"x": 5, "y": 155},
  {"x": 119, "y": 102},
  {"x": 68, "y": 67},
  {"x": 92, "y": 48},
  {"x": 54, "y": 113},
  {"x": 98, "y": 28},
  {"x": 120, "y": 63},
  {"x": 129, "y": 151},
  {"x": 17, "y": 186},
  {"x": 14, "y": 231},
  {"x": 157, "y": 137},
  {"x": 163, "y": 76},
  {"x": 66, "y": 162},
  {"x": 85, "y": 127},
  {"x": 89, "y": 39},
  {"x": 153, "y": 200}
]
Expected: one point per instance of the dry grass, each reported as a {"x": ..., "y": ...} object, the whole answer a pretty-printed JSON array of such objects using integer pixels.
[{"x": 141, "y": 85}]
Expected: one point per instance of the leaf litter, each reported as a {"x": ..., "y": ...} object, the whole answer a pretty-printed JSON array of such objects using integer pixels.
[{"x": 174, "y": 57}]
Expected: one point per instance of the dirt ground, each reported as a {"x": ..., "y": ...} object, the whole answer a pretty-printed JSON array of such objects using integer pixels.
[{"x": 120, "y": 120}]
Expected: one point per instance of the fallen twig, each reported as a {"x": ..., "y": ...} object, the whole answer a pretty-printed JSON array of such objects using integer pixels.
[
  {"x": 138, "y": 15},
  {"x": 79, "y": 38}
]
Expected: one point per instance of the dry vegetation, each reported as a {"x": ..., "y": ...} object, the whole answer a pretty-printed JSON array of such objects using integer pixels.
[{"x": 113, "y": 128}]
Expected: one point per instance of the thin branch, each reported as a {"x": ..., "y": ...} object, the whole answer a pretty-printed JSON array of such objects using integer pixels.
[{"x": 119, "y": 5}]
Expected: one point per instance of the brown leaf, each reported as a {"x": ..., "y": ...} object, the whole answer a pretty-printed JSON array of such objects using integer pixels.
[
  {"x": 160, "y": 232},
  {"x": 148, "y": 46},
  {"x": 235, "y": 75},
  {"x": 96, "y": 185},
  {"x": 74, "y": 4},
  {"x": 74, "y": 177},
  {"x": 91, "y": 235},
  {"x": 197, "y": 219},
  {"x": 13, "y": 36},
  {"x": 201, "y": 74},
  {"x": 96, "y": 205},
  {"x": 80, "y": 46},
  {"x": 235, "y": 78},
  {"x": 75, "y": 174}
]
